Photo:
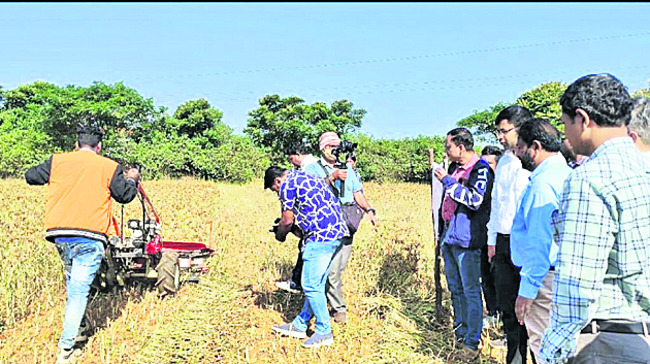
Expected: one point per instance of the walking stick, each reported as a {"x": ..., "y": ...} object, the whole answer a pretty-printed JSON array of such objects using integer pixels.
[{"x": 436, "y": 200}]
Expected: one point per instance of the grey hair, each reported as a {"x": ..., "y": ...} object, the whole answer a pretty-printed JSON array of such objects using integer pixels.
[{"x": 640, "y": 121}]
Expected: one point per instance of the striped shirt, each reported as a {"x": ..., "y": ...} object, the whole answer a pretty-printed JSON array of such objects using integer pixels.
[{"x": 603, "y": 231}]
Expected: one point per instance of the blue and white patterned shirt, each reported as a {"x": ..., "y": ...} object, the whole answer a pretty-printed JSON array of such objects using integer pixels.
[
  {"x": 317, "y": 211},
  {"x": 603, "y": 265}
]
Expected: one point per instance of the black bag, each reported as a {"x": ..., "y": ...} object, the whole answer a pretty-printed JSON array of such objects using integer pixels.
[{"x": 352, "y": 214}]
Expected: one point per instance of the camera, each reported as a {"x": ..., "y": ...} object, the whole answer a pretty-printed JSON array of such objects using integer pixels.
[
  {"x": 294, "y": 228},
  {"x": 275, "y": 226},
  {"x": 347, "y": 147}
]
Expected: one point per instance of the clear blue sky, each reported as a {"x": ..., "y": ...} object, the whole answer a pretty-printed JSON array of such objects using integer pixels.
[{"x": 417, "y": 68}]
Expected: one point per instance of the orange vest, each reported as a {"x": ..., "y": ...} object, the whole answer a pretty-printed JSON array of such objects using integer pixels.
[{"x": 78, "y": 196}]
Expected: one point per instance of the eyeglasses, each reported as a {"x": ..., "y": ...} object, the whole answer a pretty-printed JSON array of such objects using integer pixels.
[{"x": 504, "y": 132}]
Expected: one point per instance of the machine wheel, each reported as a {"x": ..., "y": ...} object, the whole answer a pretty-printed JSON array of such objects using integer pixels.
[{"x": 169, "y": 274}]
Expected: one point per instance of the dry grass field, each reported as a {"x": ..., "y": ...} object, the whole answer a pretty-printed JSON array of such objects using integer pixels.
[{"x": 227, "y": 317}]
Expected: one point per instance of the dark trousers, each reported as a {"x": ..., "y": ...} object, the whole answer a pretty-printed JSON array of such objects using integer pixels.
[
  {"x": 487, "y": 283},
  {"x": 506, "y": 282},
  {"x": 297, "y": 269}
]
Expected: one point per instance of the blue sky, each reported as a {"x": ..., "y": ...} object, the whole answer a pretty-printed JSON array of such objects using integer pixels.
[{"x": 416, "y": 68}]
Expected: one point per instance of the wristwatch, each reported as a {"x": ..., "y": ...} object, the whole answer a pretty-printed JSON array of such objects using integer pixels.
[{"x": 373, "y": 211}]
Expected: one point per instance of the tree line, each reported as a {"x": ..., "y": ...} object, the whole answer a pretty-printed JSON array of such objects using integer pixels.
[{"x": 41, "y": 118}]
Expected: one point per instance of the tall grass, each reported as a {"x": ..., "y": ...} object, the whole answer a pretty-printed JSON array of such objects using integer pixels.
[{"x": 227, "y": 317}]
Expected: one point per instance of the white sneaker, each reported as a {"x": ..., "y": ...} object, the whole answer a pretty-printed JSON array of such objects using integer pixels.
[
  {"x": 289, "y": 286},
  {"x": 67, "y": 355}
]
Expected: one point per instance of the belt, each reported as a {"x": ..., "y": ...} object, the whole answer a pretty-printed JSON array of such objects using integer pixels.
[{"x": 595, "y": 326}]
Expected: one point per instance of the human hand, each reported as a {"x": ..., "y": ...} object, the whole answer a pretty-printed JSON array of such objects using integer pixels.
[
  {"x": 491, "y": 251},
  {"x": 440, "y": 173},
  {"x": 133, "y": 174},
  {"x": 522, "y": 306},
  {"x": 340, "y": 174},
  {"x": 372, "y": 217}
]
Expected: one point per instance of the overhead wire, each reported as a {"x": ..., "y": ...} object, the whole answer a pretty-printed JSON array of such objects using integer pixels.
[
  {"x": 399, "y": 87},
  {"x": 395, "y": 59}
]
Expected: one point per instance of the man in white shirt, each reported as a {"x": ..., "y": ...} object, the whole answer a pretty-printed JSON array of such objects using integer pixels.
[
  {"x": 510, "y": 181},
  {"x": 299, "y": 157},
  {"x": 639, "y": 127}
]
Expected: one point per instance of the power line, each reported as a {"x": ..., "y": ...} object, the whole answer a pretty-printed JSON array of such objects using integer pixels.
[
  {"x": 399, "y": 59},
  {"x": 399, "y": 87}
]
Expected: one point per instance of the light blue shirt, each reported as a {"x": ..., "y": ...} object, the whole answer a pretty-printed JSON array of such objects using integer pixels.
[
  {"x": 352, "y": 183},
  {"x": 532, "y": 243}
]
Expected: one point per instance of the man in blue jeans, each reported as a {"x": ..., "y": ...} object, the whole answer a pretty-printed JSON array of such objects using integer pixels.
[
  {"x": 465, "y": 212},
  {"x": 78, "y": 216},
  {"x": 311, "y": 211}
]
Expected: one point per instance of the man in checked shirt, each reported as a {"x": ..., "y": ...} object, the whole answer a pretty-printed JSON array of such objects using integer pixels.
[{"x": 601, "y": 293}]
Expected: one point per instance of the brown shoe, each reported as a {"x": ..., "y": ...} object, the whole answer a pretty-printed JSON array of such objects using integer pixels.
[
  {"x": 340, "y": 317},
  {"x": 469, "y": 355}
]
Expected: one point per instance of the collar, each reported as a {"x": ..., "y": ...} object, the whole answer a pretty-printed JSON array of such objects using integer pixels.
[
  {"x": 548, "y": 163},
  {"x": 309, "y": 159},
  {"x": 470, "y": 163},
  {"x": 619, "y": 143},
  {"x": 325, "y": 163}
]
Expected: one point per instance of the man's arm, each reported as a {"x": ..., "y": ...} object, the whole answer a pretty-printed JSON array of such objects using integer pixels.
[
  {"x": 534, "y": 247},
  {"x": 361, "y": 200},
  {"x": 495, "y": 213},
  {"x": 472, "y": 195},
  {"x": 124, "y": 190},
  {"x": 537, "y": 206},
  {"x": 39, "y": 175},
  {"x": 284, "y": 226},
  {"x": 360, "y": 197},
  {"x": 585, "y": 237}
]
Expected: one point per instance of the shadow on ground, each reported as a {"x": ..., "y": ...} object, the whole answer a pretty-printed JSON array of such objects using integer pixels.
[
  {"x": 105, "y": 307},
  {"x": 288, "y": 304},
  {"x": 398, "y": 277}
]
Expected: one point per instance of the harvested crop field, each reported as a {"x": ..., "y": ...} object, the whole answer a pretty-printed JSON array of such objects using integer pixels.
[{"x": 227, "y": 317}]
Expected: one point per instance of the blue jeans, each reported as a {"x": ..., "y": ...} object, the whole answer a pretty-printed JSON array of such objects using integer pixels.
[
  {"x": 317, "y": 258},
  {"x": 463, "y": 271},
  {"x": 81, "y": 257}
]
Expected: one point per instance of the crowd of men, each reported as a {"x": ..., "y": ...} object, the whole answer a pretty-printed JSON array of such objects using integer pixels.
[
  {"x": 551, "y": 231},
  {"x": 568, "y": 263}
]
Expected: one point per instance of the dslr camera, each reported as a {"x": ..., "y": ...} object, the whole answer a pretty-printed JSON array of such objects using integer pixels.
[{"x": 346, "y": 147}]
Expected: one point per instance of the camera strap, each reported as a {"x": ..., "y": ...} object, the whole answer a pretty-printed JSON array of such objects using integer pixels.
[{"x": 334, "y": 189}]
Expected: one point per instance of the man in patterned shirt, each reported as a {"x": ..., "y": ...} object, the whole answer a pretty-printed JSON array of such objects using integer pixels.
[
  {"x": 309, "y": 204},
  {"x": 601, "y": 293}
]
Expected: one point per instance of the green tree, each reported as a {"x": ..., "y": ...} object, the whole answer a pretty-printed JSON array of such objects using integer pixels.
[
  {"x": 277, "y": 122},
  {"x": 481, "y": 123},
  {"x": 644, "y": 92},
  {"x": 391, "y": 160},
  {"x": 544, "y": 102}
]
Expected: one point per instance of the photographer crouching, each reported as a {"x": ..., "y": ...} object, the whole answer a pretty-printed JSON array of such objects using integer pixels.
[
  {"x": 348, "y": 189},
  {"x": 311, "y": 211}
]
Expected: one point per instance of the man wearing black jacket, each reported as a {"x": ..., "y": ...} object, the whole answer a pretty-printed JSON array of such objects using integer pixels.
[
  {"x": 78, "y": 216},
  {"x": 465, "y": 212}
]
